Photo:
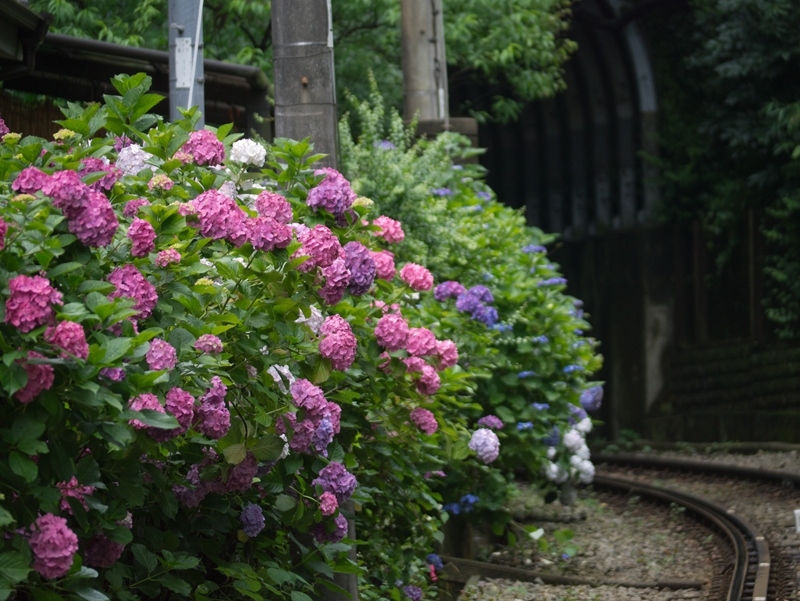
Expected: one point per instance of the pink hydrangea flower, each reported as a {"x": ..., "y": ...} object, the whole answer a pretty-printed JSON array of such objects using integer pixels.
[
  {"x": 3, "y": 127},
  {"x": 332, "y": 194},
  {"x": 392, "y": 332},
  {"x": 183, "y": 157},
  {"x": 269, "y": 204},
  {"x": 161, "y": 355},
  {"x": 491, "y": 421},
  {"x": 421, "y": 342},
  {"x": 96, "y": 224},
  {"x": 69, "y": 336},
  {"x": 447, "y": 351},
  {"x": 102, "y": 552},
  {"x": 115, "y": 374},
  {"x": 340, "y": 530},
  {"x": 220, "y": 216},
  {"x": 167, "y": 257},
  {"x": 321, "y": 245},
  {"x": 31, "y": 302},
  {"x": 132, "y": 206},
  {"x": 340, "y": 345},
  {"x": 74, "y": 490},
  {"x": 318, "y": 410},
  {"x": 384, "y": 264},
  {"x": 333, "y": 325},
  {"x": 213, "y": 417},
  {"x": 150, "y": 401},
  {"x": 180, "y": 404},
  {"x": 429, "y": 382},
  {"x": 40, "y": 378},
  {"x": 416, "y": 276},
  {"x": 208, "y": 343},
  {"x": 425, "y": 420},
  {"x": 240, "y": 478},
  {"x": 186, "y": 208},
  {"x": 328, "y": 503},
  {"x": 30, "y": 180},
  {"x": 337, "y": 278},
  {"x": 205, "y": 147},
  {"x": 414, "y": 364},
  {"x": 93, "y": 165},
  {"x": 160, "y": 182},
  {"x": 335, "y": 479},
  {"x": 391, "y": 230},
  {"x": 142, "y": 236},
  {"x": 54, "y": 546},
  {"x": 68, "y": 192},
  {"x": 267, "y": 234},
  {"x": 131, "y": 283}
]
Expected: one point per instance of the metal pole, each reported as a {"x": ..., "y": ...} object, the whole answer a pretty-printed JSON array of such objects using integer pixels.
[
  {"x": 305, "y": 84},
  {"x": 424, "y": 64},
  {"x": 185, "y": 47}
]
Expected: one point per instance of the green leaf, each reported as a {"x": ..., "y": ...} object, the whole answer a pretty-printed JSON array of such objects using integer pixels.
[
  {"x": 175, "y": 584},
  {"x": 23, "y": 466},
  {"x": 268, "y": 448},
  {"x": 5, "y": 517},
  {"x": 43, "y": 594},
  {"x": 155, "y": 419},
  {"x": 321, "y": 371},
  {"x": 279, "y": 576},
  {"x": 235, "y": 453},
  {"x": 26, "y": 428},
  {"x": 298, "y": 596},
  {"x": 96, "y": 286},
  {"x": 181, "y": 339},
  {"x": 115, "y": 349},
  {"x": 13, "y": 568},
  {"x": 63, "y": 268},
  {"x": 90, "y": 594},
  {"x": 13, "y": 378},
  {"x": 285, "y": 502},
  {"x": 145, "y": 557}
]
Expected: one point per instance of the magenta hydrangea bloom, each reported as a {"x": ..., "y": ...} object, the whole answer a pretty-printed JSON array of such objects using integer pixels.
[
  {"x": 338, "y": 534},
  {"x": 31, "y": 302},
  {"x": 337, "y": 278},
  {"x": 491, "y": 421},
  {"x": 54, "y": 546},
  {"x": 73, "y": 490},
  {"x": 132, "y": 206},
  {"x": 359, "y": 262},
  {"x": 425, "y": 420},
  {"x": 384, "y": 265},
  {"x": 220, "y": 216},
  {"x": 69, "y": 336},
  {"x": 485, "y": 444},
  {"x": 93, "y": 165},
  {"x": 30, "y": 180},
  {"x": 167, "y": 257},
  {"x": 213, "y": 416},
  {"x": 96, "y": 224},
  {"x": 142, "y": 236},
  {"x": 3, "y": 127},
  {"x": 150, "y": 401},
  {"x": 3, "y": 230},
  {"x": 321, "y": 245},
  {"x": 269, "y": 204},
  {"x": 180, "y": 404},
  {"x": 335, "y": 479},
  {"x": 392, "y": 332},
  {"x": 240, "y": 478},
  {"x": 449, "y": 289},
  {"x": 208, "y": 343},
  {"x": 102, "y": 552},
  {"x": 333, "y": 193},
  {"x": 447, "y": 351},
  {"x": 416, "y": 276},
  {"x": 421, "y": 342},
  {"x": 328, "y": 503},
  {"x": 340, "y": 348},
  {"x": 334, "y": 324},
  {"x": 204, "y": 146},
  {"x": 131, "y": 283},
  {"x": 115, "y": 374},
  {"x": 267, "y": 234},
  {"x": 429, "y": 382},
  {"x": 323, "y": 419},
  {"x": 391, "y": 230},
  {"x": 40, "y": 378},
  {"x": 161, "y": 355},
  {"x": 68, "y": 192},
  {"x": 311, "y": 398}
]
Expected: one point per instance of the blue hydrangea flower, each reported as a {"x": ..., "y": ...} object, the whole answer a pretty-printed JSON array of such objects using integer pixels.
[
  {"x": 502, "y": 327},
  {"x": 524, "y": 426},
  {"x": 592, "y": 398},
  {"x": 469, "y": 499},
  {"x": 540, "y": 406},
  {"x": 572, "y": 368},
  {"x": 458, "y": 167},
  {"x": 534, "y": 248},
  {"x": 413, "y": 592},
  {"x": 435, "y": 561},
  {"x": 579, "y": 332},
  {"x": 476, "y": 208},
  {"x": 552, "y": 282},
  {"x": 487, "y": 315},
  {"x": 484, "y": 195},
  {"x": 541, "y": 339},
  {"x": 385, "y": 145},
  {"x": 553, "y": 438},
  {"x": 526, "y": 374},
  {"x": 453, "y": 508},
  {"x": 442, "y": 192}
]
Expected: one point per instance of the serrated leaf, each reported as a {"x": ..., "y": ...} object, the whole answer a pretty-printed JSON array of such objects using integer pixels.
[
  {"x": 145, "y": 557},
  {"x": 90, "y": 594},
  {"x": 268, "y": 448},
  {"x": 63, "y": 268},
  {"x": 156, "y": 419},
  {"x": 23, "y": 466},
  {"x": 235, "y": 453},
  {"x": 26, "y": 428},
  {"x": 13, "y": 378},
  {"x": 285, "y": 503},
  {"x": 13, "y": 568},
  {"x": 321, "y": 371},
  {"x": 181, "y": 339},
  {"x": 5, "y": 517},
  {"x": 298, "y": 596},
  {"x": 175, "y": 584},
  {"x": 115, "y": 349},
  {"x": 279, "y": 576}
]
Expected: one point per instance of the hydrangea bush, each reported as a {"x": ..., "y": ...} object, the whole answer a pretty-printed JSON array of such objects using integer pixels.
[
  {"x": 211, "y": 361},
  {"x": 524, "y": 338}
]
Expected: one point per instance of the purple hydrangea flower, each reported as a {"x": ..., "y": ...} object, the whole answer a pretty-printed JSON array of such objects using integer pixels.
[
  {"x": 322, "y": 437},
  {"x": 253, "y": 520},
  {"x": 552, "y": 282},
  {"x": 487, "y": 315},
  {"x": 413, "y": 592},
  {"x": 335, "y": 479},
  {"x": 333, "y": 193},
  {"x": 540, "y": 406},
  {"x": 446, "y": 290},
  {"x": 524, "y": 426},
  {"x": 359, "y": 262},
  {"x": 208, "y": 343},
  {"x": 592, "y": 398},
  {"x": 553, "y": 438},
  {"x": 161, "y": 355},
  {"x": 442, "y": 192},
  {"x": 482, "y": 293},
  {"x": 491, "y": 421},
  {"x": 142, "y": 236},
  {"x": 485, "y": 444},
  {"x": 534, "y": 248}
]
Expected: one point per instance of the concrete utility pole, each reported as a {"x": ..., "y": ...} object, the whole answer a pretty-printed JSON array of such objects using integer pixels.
[
  {"x": 186, "y": 73},
  {"x": 305, "y": 85},
  {"x": 424, "y": 64}
]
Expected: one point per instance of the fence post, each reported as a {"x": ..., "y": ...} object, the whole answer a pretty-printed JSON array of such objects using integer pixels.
[
  {"x": 305, "y": 85},
  {"x": 186, "y": 48}
]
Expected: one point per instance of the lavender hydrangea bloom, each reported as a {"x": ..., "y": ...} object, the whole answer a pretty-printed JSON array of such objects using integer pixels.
[
  {"x": 467, "y": 303},
  {"x": 385, "y": 145},
  {"x": 450, "y": 289},
  {"x": 482, "y": 293},
  {"x": 413, "y": 592},
  {"x": 534, "y": 248},
  {"x": 358, "y": 260},
  {"x": 487, "y": 315},
  {"x": 252, "y": 520},
  {"x": 592, "y": 398},
  {"x": 552, "y": 282},
  {"x": 577, "y": 413},
  {"x": 335, "y": 479},
  {"x": 333, "y": 193},
  {"x": 323, "y": 436},
  {"x": 442, "y": 192},
  {"x": 485, "y": 444},
  {"x": 490, "y": 421}
]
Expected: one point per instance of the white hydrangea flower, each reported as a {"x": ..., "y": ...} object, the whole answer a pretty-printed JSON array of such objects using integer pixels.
[
  {"x": 276, "y": 371},
  {"x": 248, "y": 152},
  {"x": 585, "y": 425},
  {"x": 551, "y": 452},
  {"x": 555, "y": 473},
  {"x": 206, "y": 262},
  {"x": 583, "y": 451},
  {"x": 586, "y": 471},
  {"x": 251, "y": 371},
  {"x": 285, "y": 452},
  {"x": 228, "y": 189},
  {"x": 264, "y": 350},
  {"x": 131, "y": 160},
  {"x": 313, "y": 321},
  {"x": 573, "y": 440}
]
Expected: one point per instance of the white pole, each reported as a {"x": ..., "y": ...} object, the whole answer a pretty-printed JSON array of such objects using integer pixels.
[{"x": 186, "y": 73}]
